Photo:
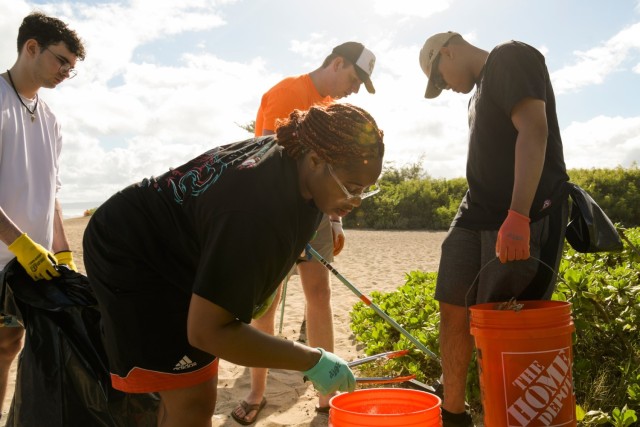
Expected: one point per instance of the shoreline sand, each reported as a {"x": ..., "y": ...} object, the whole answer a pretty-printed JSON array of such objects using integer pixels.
[{"x": 371, "y": 260}]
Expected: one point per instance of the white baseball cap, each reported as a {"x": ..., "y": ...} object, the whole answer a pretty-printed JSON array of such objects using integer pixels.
[{"x": 362, "y": 58}]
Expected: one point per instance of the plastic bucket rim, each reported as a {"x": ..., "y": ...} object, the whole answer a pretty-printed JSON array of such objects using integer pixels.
[
  {"x": 552, "y": 305},
  {"x": 519, "y": 334},
  {"x": 438, "y": 401}
]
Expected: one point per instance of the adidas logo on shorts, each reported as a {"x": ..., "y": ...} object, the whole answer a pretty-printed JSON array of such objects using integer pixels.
[{"x": 184, "y": 363}]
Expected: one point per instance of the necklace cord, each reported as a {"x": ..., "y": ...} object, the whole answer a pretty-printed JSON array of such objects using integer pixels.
[{"x": 33, "y": 113}]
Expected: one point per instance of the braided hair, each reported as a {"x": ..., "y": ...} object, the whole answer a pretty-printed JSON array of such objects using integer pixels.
[{"x": 338, "y": 133}]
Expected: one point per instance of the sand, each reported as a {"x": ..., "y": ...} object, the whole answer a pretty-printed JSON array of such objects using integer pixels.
[{"x": 371, "y": 261}]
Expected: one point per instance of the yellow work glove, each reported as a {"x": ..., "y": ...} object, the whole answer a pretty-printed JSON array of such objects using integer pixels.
[
  {"x": 36, "y": 260},
  {"x": 66, "y": 258}
]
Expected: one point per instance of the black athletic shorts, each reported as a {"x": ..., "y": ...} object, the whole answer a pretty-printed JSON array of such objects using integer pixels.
[{"x": 144, "y": 316}]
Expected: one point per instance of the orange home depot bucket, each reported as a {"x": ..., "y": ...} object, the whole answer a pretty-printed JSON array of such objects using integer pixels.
[
  {"x": 524, "y": 361},
  {"x": 388, "y": 407}
]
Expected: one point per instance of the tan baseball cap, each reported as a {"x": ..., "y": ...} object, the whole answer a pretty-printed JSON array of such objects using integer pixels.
[{"x": 428, "y": 54}]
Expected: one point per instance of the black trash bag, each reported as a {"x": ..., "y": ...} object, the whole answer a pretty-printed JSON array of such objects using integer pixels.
[
  {"x": 63, "y": 376},
  {"x": 589, "y": 228}
]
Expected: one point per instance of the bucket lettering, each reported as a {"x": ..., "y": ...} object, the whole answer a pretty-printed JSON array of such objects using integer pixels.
[{"x": 524, "y": 363}]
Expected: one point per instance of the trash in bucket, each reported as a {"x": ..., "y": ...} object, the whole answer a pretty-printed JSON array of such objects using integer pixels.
[
  {"x": 524, "y": 362},
  {"x": 388, "y": 407}
]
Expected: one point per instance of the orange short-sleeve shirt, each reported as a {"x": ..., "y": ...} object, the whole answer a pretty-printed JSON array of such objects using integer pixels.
[{"x": 290, "y": 94}]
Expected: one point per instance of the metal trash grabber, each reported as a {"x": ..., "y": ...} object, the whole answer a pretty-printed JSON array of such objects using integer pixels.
[
  {"x": 370, "y": 304},
  {"x": 381, "y": 380}
]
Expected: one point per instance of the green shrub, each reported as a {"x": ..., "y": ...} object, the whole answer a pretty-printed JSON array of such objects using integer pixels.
[
  {"x": 414, "y": 308},
  {"x": 411, "y": 200},
  {"x": 604, "y": 290},
  {"x": 615, "y": 190}
]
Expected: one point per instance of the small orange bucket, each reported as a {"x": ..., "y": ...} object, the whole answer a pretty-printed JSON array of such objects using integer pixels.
[
  {"x": 524, "y": 362},
  {"x": 385, "y": 407}
]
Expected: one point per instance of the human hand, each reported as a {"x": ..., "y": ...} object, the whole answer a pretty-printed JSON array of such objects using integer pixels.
[
  {"x": 331, "y": 374},
  {"x": 38, "y": 262},
  {"x": 338, "y": 237},
  {"x": 513, "y": 238},
  {"x": 66, "y": 258}
]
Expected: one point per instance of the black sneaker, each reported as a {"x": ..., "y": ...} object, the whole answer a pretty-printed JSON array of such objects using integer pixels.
[{"x": 456, "y": 420}]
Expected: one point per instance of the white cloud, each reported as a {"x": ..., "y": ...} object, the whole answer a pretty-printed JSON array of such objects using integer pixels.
[
  {"x": 315, "y": 47},
  {"x": 602, "y": 142},
  {"x": 410, "y": 8},
  {"x": 159, "y": 117},
  {"x": 128, "y": 116},
  {"x": 544, "y": 50},
  {"x": 595, "y": 65},
  {"x": 114, "y": 31},
  {"x": 11, "y": 15},
  {"x": 155, "y": 116},
  {"x": 434, "y": 131}
]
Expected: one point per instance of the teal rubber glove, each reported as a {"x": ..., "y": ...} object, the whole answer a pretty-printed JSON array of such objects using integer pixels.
[{"x": 331, "y": 374}]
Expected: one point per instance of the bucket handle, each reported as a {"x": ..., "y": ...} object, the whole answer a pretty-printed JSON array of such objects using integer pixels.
[{"x": 475, "y": 280}]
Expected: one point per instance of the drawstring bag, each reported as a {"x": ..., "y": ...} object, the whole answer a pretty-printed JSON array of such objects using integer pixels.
[
  {"x": 63, "y": 376},
  {"x": 589, "y": 228}
]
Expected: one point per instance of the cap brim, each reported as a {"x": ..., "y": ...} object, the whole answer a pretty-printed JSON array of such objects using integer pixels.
[
  {"x": 364, "y": 77},
  {"x": 432, "y": 91},
  {"x": 369, "y": 86}
]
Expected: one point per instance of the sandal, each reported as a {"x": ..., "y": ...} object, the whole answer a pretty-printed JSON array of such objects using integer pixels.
[
  {"x": 248, "y": 408},
  {"x": 323, "y": 409}
]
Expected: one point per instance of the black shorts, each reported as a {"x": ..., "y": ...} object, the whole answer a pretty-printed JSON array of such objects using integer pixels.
[
  {"x": 470, "y": 273},
  {"x": 144, "y": 317}
]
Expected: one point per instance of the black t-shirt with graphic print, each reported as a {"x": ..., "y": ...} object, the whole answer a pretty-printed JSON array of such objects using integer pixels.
[
  {"x": 513, "y": 71},
  {"x": 227, "y": 225}
]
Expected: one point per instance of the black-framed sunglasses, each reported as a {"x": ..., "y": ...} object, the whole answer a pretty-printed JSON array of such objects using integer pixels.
[
  {"x": 65, "y": 66},
  {"x": 438, "y": 81}
]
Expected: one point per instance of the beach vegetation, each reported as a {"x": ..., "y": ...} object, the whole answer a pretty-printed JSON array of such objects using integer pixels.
[
  {"x": 249, "y": 126},
  {"x": 411, "y": 200},
  {"x": 604, "y": 290}
]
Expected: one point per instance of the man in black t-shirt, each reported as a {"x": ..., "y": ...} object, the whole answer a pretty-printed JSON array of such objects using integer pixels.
[{"x": 516, "y": 204}]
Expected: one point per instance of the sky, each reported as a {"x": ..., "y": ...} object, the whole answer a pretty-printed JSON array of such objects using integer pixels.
[{"x": 164, "y": 81}]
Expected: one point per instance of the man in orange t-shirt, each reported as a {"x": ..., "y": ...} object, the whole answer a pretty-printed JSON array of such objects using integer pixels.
[
  {"x": 347, "y": 67},
  {"x": 290, "y": 94}
]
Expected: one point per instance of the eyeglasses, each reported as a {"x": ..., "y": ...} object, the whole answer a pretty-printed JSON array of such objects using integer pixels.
[
  {"x": 366, "y": 192},
  {"x": 65, "y": 66},
  {"x": 438, "y": 81}
]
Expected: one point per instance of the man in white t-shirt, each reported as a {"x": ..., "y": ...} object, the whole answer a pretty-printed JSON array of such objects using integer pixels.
[{"x": 31, "y": 227}]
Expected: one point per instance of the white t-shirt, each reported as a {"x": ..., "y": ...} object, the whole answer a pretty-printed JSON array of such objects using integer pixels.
[{"x": 29, "y": 172}]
